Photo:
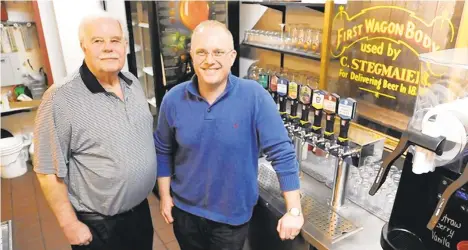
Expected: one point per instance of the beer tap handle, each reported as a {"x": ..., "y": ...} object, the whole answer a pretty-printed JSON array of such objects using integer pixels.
[
  {"x": 305, "y": 97},
  {"x": 346, "y": 112},
  {"x": 294, "y": 105},
  {"x": 282, "y": 92},
  {"x": 317, "y": 126},
  {"x": 330, "y": 106},
  {"x": 343, "y": 136},
  {"x": 282, "y": 101},
  {"x": 317, "y": 104},
  {"x": 305, "y": 113},
  {"x": 293, "y": 89},
  {"x": 452, "y": 188}
]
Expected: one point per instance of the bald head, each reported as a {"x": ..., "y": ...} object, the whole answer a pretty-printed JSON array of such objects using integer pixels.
[
  {"x": 209, "y": 26},
  {"x": 213, "y": 54}
]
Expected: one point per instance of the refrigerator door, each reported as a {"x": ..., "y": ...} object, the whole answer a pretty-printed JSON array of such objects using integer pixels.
[
  {"x": 176, "y": 20},
  {"x": 140, "y": 28}
]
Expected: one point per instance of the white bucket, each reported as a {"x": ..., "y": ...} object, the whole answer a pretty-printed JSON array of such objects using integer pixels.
[{"x": 13, "y": 156}]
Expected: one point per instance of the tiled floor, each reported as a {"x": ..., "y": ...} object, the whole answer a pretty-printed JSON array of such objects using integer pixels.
[{"x": 36, "y": 228}]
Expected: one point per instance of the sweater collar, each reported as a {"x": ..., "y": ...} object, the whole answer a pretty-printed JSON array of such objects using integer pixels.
[{"x": 192, "y": 86}]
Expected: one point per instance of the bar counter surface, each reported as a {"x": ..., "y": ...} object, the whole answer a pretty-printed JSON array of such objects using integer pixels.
[{"x": 349, "y": 228}]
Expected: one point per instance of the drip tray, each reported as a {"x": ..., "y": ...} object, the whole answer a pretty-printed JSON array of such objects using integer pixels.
[
  {"x": 329, "y": 227},
  {"x": 6, "y": 242}
]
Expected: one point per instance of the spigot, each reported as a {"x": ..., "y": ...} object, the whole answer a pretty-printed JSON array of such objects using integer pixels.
[
  {"x": 316, "y": 141},
  {"x": 330, "y": 147}
]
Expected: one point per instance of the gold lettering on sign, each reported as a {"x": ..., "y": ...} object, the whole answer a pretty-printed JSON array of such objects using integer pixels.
[
  {"x": 383, "y": 40},
  {"x": 408, "y": 31}
]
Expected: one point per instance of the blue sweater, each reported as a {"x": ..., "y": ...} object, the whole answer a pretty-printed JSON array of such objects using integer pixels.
[{"x": 212, "y": 150}]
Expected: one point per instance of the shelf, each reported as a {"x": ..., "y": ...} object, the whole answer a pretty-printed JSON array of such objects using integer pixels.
[
  {"x": 13, "y": 23},
  {"x": 287, "y": 52},
  {"x": 15, "y": 109},
  {"x": 137, "y": 48},
  {"x": 152, "y": 101},
  {"x": 143, "y": 25},
  {"x": 148, "y": 70},
  {"x": 281, "y": 6}
]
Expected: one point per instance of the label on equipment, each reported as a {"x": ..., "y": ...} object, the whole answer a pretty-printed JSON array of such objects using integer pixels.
[
  {"x": 304, "y": 94},
  {"x": 274, "y": 84},
  {"x": 329, "y": 104},
  {"x": 292, "y": 90},
  {"x": 282, "y": 89},
  {"x": 347, "y": 109},
  {"x": 317, "y": 99},
  {"x": 263, "y": 80}
]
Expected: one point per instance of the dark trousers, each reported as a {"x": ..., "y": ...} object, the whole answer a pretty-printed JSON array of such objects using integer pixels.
[
  {"x": 127, "y": 231},
  {"x": 196, "y": 233}
]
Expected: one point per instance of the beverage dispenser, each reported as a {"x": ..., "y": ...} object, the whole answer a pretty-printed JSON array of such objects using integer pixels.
[{"x": 431, "y": 206}]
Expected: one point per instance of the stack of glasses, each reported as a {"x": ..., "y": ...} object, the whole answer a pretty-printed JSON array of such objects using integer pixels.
[
  {"x": 359, "y": 183},
  {"x": 299, "y": 38}
]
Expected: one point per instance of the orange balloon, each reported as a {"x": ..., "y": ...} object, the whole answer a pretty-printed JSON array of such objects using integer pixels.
[{"x": 193, "y": 13}]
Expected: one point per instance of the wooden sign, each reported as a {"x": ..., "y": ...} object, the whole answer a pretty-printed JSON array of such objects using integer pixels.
[{"x": 379, "y": 44}]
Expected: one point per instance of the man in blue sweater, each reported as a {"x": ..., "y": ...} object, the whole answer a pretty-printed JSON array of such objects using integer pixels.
[{"x": 209, "y": 135}]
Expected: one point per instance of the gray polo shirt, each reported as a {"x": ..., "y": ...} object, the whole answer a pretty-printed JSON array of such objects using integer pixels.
[{"x": 101, "y": 146}]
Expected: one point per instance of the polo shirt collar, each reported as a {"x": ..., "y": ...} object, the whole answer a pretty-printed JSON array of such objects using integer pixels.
[
  {"x": 91, "y": 81},
  {"x": 192, "y": 87}
]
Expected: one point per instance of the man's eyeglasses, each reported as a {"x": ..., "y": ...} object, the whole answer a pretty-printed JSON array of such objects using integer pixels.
[{"x": 202, "y": 54}]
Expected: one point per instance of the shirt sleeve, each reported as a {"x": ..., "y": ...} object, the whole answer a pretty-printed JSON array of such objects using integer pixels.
[
  {"x": 275, "y": 143},
  {"x": 52, "y": 133},
  {"x": 164, "y": 142}
]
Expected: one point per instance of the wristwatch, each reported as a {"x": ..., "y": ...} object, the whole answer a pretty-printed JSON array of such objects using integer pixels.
[{"x": 294, "y": 211}]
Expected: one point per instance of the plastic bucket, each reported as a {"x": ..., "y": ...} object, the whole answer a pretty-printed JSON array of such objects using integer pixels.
[{"x": 13, "y": 157}]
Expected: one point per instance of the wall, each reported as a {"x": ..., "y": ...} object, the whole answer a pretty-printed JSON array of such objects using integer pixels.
[
  {"x": 68, "y": 15},
  {"x": 19, "y": 11},
  {"x": 117, "y": 7},
  {"x": 52, "y": 40},
  {"x": 250, "y": 14},
  {"x": 60, "y": 22}
]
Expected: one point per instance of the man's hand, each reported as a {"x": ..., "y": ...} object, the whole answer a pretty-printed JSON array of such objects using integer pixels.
[
  {"x": 289, "y": 226},
  {"x": 78, "y": 233},
  {"x": 165, "y": 206}
]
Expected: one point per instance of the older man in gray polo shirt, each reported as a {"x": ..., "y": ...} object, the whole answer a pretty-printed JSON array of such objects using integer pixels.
[{"x": 94, "y": 151}]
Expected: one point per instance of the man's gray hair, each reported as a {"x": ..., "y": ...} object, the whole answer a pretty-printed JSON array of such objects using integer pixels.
[{"x": 92, "y": 18}]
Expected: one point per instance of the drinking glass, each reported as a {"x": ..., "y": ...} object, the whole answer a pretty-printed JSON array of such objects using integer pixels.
[
  {"x": 293, "y": 34},
  {"x": 300, "y": 37},
  {"x": 308, "y": 40},
  {"x": 312, "y": 81},
  {"x": 247, "y": 36},
  {"x": 390, "y": 199},
  {"x": 316, "y": 39},
  {"x": 253, "y": 73},
  {"x": 364, "y": 173},
  {"x": 364, "y": 192}
]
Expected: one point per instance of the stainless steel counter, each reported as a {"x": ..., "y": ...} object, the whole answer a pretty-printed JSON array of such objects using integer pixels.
[{"x": 349, "y": 228}]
